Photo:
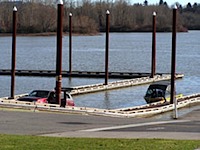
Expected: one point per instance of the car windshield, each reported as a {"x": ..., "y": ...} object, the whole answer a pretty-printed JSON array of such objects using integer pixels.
[
  {"x": 42, "y": 94},
  {"x": 155, "y": 92}
]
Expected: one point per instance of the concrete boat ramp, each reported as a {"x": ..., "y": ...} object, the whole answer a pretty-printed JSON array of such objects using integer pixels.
[{"x": 137, "y": 111}]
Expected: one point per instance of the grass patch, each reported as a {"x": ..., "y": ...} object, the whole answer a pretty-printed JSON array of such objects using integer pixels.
[{"x": 18, "y": 142}]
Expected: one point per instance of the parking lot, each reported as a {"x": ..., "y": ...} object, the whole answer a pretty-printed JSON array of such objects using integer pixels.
[{"x": 74, "y": 125}]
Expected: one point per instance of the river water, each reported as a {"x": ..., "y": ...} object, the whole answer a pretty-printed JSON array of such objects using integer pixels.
[{"x": 128, "y": 52}]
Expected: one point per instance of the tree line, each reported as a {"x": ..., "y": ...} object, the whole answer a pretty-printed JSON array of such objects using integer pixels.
[{"x": 38, "y": 16}]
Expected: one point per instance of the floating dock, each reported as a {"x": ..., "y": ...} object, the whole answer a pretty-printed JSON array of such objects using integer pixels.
[
  {"x": 84, "y": 74},
  {"x": 84, "y": 89},
  {"x": 120, "y": 84},
  {"x": 137, "y": 111}
]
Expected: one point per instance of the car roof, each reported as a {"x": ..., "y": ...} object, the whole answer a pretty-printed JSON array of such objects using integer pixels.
[
  {"x": 66, "y": 89},
  {"x": 41, "y": 91},
  {"x": 165, "y": 83}
]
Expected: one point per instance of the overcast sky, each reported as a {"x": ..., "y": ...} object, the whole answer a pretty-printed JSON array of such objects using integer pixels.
[{"x": 169, "y": 2}]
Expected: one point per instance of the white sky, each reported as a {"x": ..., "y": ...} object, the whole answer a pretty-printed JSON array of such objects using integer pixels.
[{"x": 169, "y": 2}]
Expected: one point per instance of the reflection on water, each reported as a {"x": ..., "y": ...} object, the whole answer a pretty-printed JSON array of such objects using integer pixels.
[{"x": 129, "y": 52}]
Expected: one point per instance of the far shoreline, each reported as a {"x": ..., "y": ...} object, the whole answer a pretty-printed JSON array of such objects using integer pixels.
[
  {"x": 82, "y": 34},
  {"x": 49, "y": 34}
]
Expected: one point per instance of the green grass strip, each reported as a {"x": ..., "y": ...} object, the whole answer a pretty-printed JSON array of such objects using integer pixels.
[{"x": 19, "y": 142}]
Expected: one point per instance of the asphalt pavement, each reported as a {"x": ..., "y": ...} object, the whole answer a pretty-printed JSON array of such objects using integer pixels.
[{"x": 75, "y": 125}]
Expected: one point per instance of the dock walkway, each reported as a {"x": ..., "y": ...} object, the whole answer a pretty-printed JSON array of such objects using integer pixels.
[
  {"x": 83, "y": 74},
  {"x": 120, "y": 84}
]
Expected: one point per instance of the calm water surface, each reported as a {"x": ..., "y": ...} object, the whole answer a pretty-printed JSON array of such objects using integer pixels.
[{"x": 129, "y": 52}]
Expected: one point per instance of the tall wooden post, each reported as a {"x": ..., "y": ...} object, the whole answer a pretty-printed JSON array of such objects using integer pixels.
[
  {"x": 173, "y": 61},
  {"x": 13, "y": 52},
  {"x": 153, "y": 59},
  {"x": 59, "y": 51},
  {"x": 70, "y": 44},
  {"x": 107, "y": 46}
]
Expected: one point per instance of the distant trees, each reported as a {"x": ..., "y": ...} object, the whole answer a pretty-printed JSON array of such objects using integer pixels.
[
  {"x": 36, "y": 16},
  {"x": 161, "y": 2},
  {"x": 145, "y": 3},
  {"x": 33, "y": 18},
  {"x": 191, "y": 16}
]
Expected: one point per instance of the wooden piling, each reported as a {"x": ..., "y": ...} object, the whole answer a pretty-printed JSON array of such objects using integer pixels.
[
  {"x": 153, "y": 60},
  {"x": 59, "y": 50},
  {"x": 173, "y": 65},
  {"x": 173, "y": 59},
  {"x": 13, "y": 52},
  {"x": 107, "y": 46},
  {"x": 70, "y": 44}
]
